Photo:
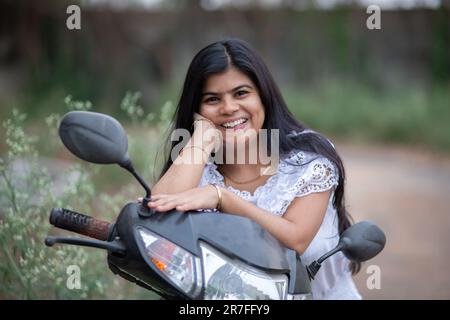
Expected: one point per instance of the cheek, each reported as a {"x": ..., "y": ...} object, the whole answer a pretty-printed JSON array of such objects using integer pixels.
[
  {"x": 261, "y": 114},
  {"x": 257, "y": 112},
  {"x": 206, "y": 111},
  {"x": 202, "y": 109}
]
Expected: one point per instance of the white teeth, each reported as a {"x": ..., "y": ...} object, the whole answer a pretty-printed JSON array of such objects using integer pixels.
[{"x": 234, "y": 123}]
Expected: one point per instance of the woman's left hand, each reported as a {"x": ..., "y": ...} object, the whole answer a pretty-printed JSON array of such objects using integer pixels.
[{"x": 197, "y": 198}]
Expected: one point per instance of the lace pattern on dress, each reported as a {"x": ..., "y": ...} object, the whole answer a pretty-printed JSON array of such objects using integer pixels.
[{"x": 299, "y": 174}]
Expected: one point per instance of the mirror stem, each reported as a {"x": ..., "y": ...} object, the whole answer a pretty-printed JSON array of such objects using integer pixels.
[
  {"x": 146, "y": 211},
  {"x": 338, "y": 248},
  {"x": 129, "y": 166},
  {"x": 314, "y": 267}
]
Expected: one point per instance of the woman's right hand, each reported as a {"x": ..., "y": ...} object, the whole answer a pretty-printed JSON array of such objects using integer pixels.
[
  {"x": 208, "y": 131},
  {"x": 201, "y": 121}
]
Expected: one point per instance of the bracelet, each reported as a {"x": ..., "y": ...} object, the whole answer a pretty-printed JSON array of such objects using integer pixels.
[
  {"x": 187, "y": 147},
  {"x": 219, "y": 195}
]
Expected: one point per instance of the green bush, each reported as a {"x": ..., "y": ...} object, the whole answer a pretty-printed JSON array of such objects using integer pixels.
[{"x": 29, "y": 269}]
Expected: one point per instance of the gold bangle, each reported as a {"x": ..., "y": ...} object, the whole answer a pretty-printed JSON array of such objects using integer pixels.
[{"x": 219, "y": 195}]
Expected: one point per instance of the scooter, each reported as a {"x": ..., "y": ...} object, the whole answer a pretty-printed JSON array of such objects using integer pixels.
[{"x": 190, "y": 255}]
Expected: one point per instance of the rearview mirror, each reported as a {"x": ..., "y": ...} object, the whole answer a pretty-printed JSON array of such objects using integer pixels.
[
  {"x": 362, "y": 241},
  {"x": 94, "y": 137},
  {"x": 99, "y": 138}
]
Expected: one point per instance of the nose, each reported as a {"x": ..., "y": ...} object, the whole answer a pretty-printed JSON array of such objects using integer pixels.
[{"x": 229, "y": 106}]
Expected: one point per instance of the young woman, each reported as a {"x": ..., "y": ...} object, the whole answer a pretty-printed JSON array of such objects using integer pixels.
[{"x": 229, "y": 92}]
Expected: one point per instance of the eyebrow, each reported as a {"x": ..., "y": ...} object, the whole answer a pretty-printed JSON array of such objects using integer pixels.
[{"x": 237, "y": 88}]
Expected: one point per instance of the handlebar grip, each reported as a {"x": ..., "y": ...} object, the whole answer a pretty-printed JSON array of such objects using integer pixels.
[{"x": 80, "y": 223}]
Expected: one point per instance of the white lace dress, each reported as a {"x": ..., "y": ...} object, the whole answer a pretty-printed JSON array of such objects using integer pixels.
[{"x": 300, "y": 174}]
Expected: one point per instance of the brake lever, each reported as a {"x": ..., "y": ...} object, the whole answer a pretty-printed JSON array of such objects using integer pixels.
[{"x": 114, "y": 246}]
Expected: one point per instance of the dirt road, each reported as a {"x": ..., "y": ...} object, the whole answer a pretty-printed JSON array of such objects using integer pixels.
[{"x": 407, "y": 193}]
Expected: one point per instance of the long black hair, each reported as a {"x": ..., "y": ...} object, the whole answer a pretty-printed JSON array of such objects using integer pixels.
[{"x": 216, "y": 58}]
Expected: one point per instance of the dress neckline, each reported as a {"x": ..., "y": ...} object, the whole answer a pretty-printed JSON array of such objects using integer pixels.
[
  {"x": 295, "y": 155},
  {"x": 244, "y": 193}
]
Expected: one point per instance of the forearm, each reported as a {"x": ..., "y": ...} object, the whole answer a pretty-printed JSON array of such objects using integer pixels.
[
  {"x": 282, "y": 229},
  {"x": 187, "y": 169}
]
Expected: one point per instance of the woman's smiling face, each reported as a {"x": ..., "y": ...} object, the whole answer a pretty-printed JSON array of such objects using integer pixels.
[{"x": 232, "y": 102}]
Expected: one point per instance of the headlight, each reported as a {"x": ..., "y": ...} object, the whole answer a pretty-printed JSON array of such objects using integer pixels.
[
  {"x": 180, "y": 266},
  {"x": 226, "y": 279}
]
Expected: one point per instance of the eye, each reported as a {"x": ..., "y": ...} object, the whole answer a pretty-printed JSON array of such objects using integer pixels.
[
  {"x": 211, "y": 100},
  {"x": 241, "y": 93}
]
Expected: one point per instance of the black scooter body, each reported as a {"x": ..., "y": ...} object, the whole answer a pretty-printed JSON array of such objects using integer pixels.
[{"x": 237, "y": 237}]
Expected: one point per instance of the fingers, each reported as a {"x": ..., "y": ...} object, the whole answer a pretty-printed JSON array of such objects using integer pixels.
[
  {"x": 164, "y": 202},
  {"x": 197, "y": 116},
  {"x": 153, "y": 197},
  {"x": 159, "y": 196},
  {"x": 184, "y": 207},
  {"x": 163, "y": 207},
  {"x": 176, "y": 204}
]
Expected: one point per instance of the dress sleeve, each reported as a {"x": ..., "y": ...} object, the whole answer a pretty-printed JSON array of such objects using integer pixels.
[
  {"x": 303, "y": 174},
  {"x": 319, "y": 175}
]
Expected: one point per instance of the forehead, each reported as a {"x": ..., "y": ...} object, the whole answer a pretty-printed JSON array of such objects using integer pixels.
[{"x": 227, "y": 80}]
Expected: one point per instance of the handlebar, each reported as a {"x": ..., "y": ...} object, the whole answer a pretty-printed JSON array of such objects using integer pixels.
[{"x": 80, "y": 223}]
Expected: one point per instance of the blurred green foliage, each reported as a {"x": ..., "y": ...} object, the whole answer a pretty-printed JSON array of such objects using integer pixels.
[
  {"x": 29, "y": 269},
  {"x": 440, "y": 50},
  {"x": 355, "y": 112}
]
